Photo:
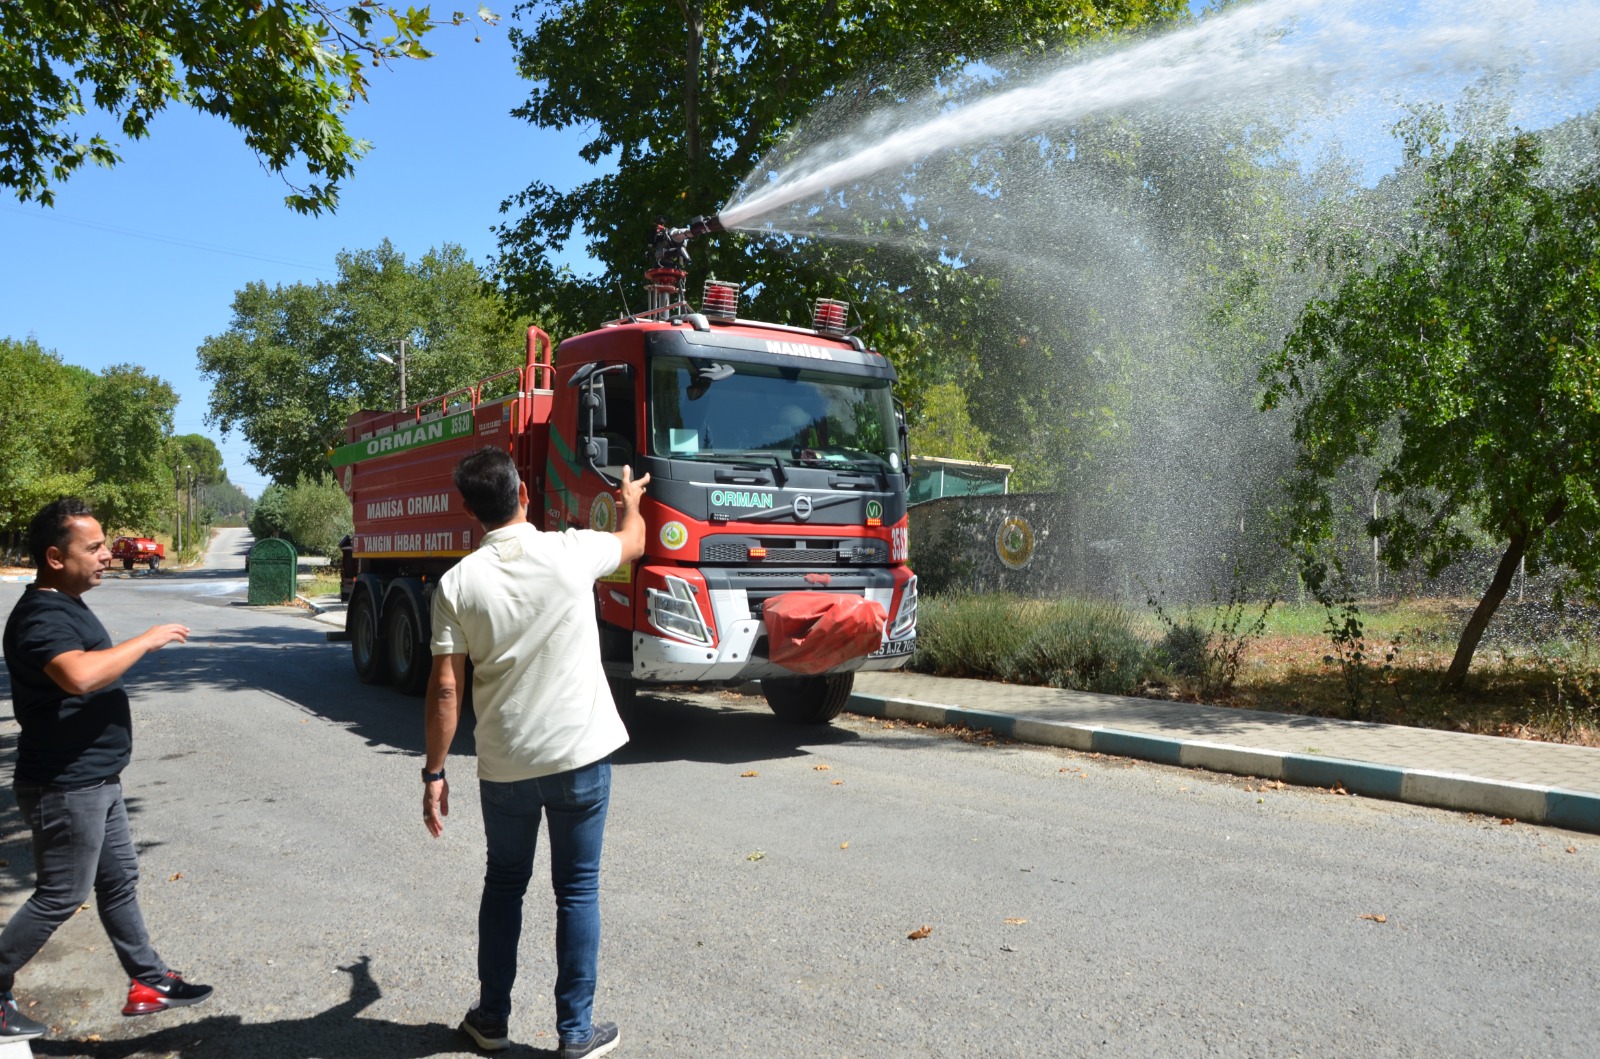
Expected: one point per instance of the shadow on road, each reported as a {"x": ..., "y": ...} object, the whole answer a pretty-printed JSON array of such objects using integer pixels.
[{"x": 337, "y": 1031}]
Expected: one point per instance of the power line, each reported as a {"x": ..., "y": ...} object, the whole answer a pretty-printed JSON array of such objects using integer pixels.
[{"x": 171, "y": 240}]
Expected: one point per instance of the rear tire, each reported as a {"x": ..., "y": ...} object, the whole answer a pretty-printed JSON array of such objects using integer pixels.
[
  {"x": 127, "y": 564},
  {"x": 808, "y": 700},
  {"x": 366, "y": 646},
  {"x": 409, "y": 660}
]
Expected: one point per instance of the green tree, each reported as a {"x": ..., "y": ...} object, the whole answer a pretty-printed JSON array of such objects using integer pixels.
[
  {"x": 41, "y": 405},
  {"x": 271, "y": 515},
  {"x": 284, "y": 74},
  {"x": 199, "y": 455},
  {"x": 1465, "y": 366},
  {"x": 944, "y": 427},
  {"x": 686, "y": 99},
  {"x": 297, "y": 360},
  {"x": 318, "y": 516},
  {"x": 128, "y": 423}
]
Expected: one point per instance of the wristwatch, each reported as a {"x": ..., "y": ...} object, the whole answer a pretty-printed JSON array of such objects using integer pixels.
[{"x": 432, "y": 777}]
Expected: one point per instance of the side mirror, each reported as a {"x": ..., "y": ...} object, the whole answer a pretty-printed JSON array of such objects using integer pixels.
[{"x": 597, "y": 451}]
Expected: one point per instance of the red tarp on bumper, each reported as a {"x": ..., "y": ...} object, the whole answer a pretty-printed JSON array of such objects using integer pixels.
[{"x": 812, "y": 632}]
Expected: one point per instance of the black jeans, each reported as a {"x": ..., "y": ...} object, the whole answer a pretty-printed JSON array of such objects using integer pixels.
[{"x": 80, "y": 842}]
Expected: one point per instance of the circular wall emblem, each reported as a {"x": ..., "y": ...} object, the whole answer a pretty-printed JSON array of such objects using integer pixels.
[
  {"x": 802, "y": 507},
  {"x": 349, "y": 476},
  {"x": 674, "y": 536},
  {"x": 1014, "y": 542},
  {"x": 603, "y": 513},
  {"x": 874, "y": 509}
]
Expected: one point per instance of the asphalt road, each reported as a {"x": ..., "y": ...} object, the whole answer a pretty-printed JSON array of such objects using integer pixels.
[{"x": 1073, "y": 905}]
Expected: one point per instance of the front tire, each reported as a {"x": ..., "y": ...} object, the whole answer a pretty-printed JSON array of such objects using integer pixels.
[
  {"x": 808, "y": 700},
  {"x": 625, "y": 693},
  {"x": 366, "y": 646},
  {"x": 155, "y": 566}
]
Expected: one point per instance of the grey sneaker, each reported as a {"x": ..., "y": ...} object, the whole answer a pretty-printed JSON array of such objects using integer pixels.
[
  {"x": 488, "y": 1032},
  {"x": 603, "y": 1037},
  {"x": 14, "y": 1025}
]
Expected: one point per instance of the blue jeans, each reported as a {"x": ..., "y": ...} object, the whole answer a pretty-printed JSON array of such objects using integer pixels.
[
  {"x": 574, "y": 804},
  {"x": 81, "y": 842}
]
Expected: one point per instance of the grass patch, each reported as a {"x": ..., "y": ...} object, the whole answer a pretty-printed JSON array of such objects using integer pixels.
[
  {"x": 1535, "y": 676},
  {"x": 321, "y": 583}
]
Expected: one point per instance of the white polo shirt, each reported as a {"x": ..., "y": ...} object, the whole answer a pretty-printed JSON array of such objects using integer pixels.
[{"x": 522, "y": 608}]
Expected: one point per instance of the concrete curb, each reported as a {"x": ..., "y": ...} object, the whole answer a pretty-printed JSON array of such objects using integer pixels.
[
  {"x": 24, "y": 578},
  {"x": 1553, "y": 806}
]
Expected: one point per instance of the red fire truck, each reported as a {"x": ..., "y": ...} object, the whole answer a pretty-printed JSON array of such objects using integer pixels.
[{"x": 776, "y": 509}]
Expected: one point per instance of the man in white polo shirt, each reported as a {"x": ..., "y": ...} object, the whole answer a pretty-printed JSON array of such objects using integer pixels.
[{"x": 522, "y": 608}]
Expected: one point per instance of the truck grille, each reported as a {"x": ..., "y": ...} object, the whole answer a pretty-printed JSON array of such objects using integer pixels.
[{"x": 789, "y": 551}]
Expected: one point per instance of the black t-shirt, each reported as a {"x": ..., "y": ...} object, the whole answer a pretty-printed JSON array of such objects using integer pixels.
[{"x": 67, "y": 740}]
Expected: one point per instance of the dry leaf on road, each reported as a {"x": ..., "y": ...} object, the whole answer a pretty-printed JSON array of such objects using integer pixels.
[
  {"x": 1015, "y": 921},
  {"x": 821, "y": 768},
  {"x": 757, "y": 855},
  {"x": 747, "y": 775},
  {"x": 920, "y": 933},
  {"x": 1376, "y": 917},
  {"x": 176, "y": 877}
]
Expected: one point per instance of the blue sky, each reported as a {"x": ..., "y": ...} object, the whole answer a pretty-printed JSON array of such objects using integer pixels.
[{"x": 139, "y": 263}]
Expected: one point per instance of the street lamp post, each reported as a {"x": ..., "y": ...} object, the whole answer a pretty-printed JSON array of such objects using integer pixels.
[{"x": 399, "y": 362}]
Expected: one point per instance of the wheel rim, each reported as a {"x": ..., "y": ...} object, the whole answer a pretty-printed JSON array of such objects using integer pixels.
[
  {"x": 403, "y": 646},
  {"x": 366, "y": 633}
]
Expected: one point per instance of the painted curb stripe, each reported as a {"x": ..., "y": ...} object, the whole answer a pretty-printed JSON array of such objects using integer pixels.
[
  {"x": 1573, "y": 809},
  {"x": 1553, "y": 806}
]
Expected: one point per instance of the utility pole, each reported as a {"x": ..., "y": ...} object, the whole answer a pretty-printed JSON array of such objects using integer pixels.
[
  {"x": 178, "y": 518},
  {"x": 399, "y": 362}
]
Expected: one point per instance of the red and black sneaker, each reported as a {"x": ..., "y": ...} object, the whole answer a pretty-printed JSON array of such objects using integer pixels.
[{"x": 171, "y": 992}]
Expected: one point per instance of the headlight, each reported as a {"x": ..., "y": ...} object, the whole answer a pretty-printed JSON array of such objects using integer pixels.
[
  {"x": 675, "y": 612},
  {"x": 905, "y": 622}
]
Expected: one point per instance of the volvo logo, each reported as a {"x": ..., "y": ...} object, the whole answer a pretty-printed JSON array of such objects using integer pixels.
[{"x": 802, "y": 507}]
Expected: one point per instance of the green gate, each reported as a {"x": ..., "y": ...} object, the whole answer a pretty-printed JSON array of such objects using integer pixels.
[{"x": 273, "y": 565}]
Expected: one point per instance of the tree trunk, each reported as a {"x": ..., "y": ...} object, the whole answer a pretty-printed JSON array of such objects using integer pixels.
[
  {"x": 1473, "y": 633},
  {"x": 695, "y": 20},
  {"x": 1509, "y": 563}
]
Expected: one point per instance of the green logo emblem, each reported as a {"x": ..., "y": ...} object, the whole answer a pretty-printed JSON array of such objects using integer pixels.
[
  {"x": 874, "y": 509},
  {"x": 674, "y": 536}
]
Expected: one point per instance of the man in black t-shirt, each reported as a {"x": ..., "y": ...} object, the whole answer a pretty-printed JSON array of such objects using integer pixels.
[{"x": 77, "y": 736}]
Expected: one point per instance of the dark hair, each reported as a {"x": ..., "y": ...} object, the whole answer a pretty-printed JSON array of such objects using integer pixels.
[
  {"x": 49, "y": 527},
  {"x": 487, "y": 481}
]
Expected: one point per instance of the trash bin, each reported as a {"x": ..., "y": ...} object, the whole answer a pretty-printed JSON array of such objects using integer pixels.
[{"x": 273, "y": 565}]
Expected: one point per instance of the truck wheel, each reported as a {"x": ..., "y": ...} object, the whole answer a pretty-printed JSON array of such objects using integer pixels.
[
  {"x": 127, "y": 564},
  {"x": 155, "y": 566},
  {"x": 366, "y": 647},
  {"x": 625, "y": 693},
  {"x": 808, "y": 700},
  {"x": 408, "y": 655}
]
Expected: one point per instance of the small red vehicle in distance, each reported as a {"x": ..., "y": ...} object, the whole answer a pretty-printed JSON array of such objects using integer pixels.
[{"x": 133, "y": 550}]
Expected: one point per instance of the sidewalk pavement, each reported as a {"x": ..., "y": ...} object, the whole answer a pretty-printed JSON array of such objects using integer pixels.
[
  {"x": 1539, "y": 783},
  {"x": 1542, "y": 783}
]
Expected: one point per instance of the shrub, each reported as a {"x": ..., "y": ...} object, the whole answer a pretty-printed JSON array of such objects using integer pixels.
[
  {"x": 318, "y": 514},
  {"x": 1081, "y": 644}
]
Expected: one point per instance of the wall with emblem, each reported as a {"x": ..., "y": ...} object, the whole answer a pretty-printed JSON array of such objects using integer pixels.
[{"x": 1027, "y": 543}]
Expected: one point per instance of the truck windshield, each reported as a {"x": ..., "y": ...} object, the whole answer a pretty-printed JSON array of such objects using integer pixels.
[{"x": 705, "y": 409}]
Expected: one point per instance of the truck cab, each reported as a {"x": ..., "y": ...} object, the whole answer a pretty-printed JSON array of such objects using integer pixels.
[{"x": 776, "y": 513}]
